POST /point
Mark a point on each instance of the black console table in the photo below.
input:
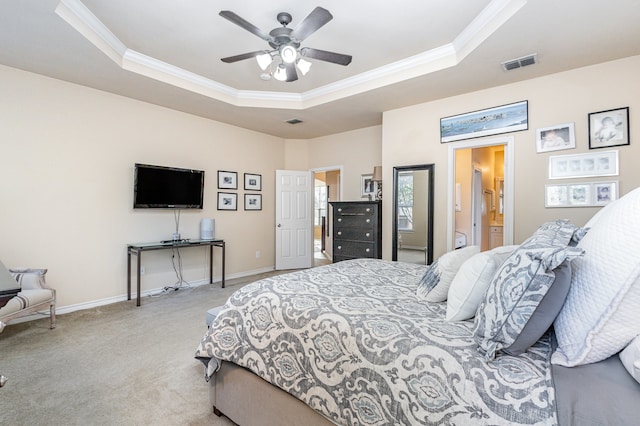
(137, 249)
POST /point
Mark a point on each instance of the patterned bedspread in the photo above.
(352, 341)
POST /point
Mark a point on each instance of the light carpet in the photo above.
(113, 365)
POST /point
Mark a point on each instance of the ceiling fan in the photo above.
(285, 43)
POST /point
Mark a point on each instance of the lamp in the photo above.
(280, 73)
(264, 60)
(377, 177)
(303, 66)
(288, 54)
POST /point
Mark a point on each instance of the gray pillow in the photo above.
(545, 313)
(519, 288)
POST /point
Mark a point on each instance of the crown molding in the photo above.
(492, 17)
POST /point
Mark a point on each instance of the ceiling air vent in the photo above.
(520, 62)
(293, 121)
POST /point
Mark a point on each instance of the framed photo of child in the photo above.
(609, 128)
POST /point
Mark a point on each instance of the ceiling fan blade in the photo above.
(323, 55)
(309, 25)
(292, 74)
(242, 57)
(241, 22)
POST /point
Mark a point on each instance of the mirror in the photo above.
(412, 235)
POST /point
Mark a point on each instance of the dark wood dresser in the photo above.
(357, 229)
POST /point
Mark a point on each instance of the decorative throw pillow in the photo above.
(602, 312)
(429, 280)
(519, 287)
(471, 282)
(630, 357)
(437, 280)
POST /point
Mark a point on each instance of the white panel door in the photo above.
(294, 219)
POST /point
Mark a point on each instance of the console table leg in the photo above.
(138, 276)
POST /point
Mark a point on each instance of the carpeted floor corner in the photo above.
(113, 365)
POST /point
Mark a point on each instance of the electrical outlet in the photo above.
(257, 254)
(142, 270)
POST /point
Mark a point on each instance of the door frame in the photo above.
(509, 177)
(340, 170)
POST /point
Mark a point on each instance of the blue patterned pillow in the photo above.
(515, 310)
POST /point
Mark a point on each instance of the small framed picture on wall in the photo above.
(227, 201)
(609, 128)
(227, 180)
(252, 182)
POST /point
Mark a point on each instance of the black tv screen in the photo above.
(167, 187)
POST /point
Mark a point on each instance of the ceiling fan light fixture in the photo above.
(303, 66)
(280, 73)
(288, 54)
(264, 60)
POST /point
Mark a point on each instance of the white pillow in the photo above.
(630, 358)
(602, 312)
(448, 265)
(470, 284)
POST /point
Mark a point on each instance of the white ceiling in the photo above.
(406, 52)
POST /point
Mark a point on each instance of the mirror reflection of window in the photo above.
(405, 201)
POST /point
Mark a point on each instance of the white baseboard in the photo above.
(61, 310)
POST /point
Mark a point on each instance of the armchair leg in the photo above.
(52, 315)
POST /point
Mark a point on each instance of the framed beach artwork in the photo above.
(491, 121)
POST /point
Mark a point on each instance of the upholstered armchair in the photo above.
(22, 292)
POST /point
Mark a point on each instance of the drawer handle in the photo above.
(339, 219)
(368, 234)
(339, 247)
(368, 220)
(368, 209)
(339, 232)
(339, 209)
(368, 250)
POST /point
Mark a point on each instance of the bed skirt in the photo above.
(249, 400)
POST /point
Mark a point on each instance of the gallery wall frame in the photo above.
(253, 201)
(252, 182)
(583, 194)
(609, 128)
(368, 187)
(227, 180)
(601, 163)
(491, 121)
(555, 138)
(227, 201)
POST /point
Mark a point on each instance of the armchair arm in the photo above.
(30, 279)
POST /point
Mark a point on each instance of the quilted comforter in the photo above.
(353, 342)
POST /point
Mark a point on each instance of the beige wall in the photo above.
(356, 151)
(66, 171)
(411, 136)
(67, 155)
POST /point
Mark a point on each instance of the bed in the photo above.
(374, 342)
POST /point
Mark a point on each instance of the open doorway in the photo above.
(480, 193)
(326, 188)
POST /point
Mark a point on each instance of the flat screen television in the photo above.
(160, 187)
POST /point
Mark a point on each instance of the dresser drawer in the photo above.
(355, 220)
(349, 209)
(354, 249)
(358, 234)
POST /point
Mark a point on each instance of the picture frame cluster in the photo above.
(228, 180)
(609, 128)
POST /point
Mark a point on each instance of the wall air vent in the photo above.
(293, 121)
(520, 62)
